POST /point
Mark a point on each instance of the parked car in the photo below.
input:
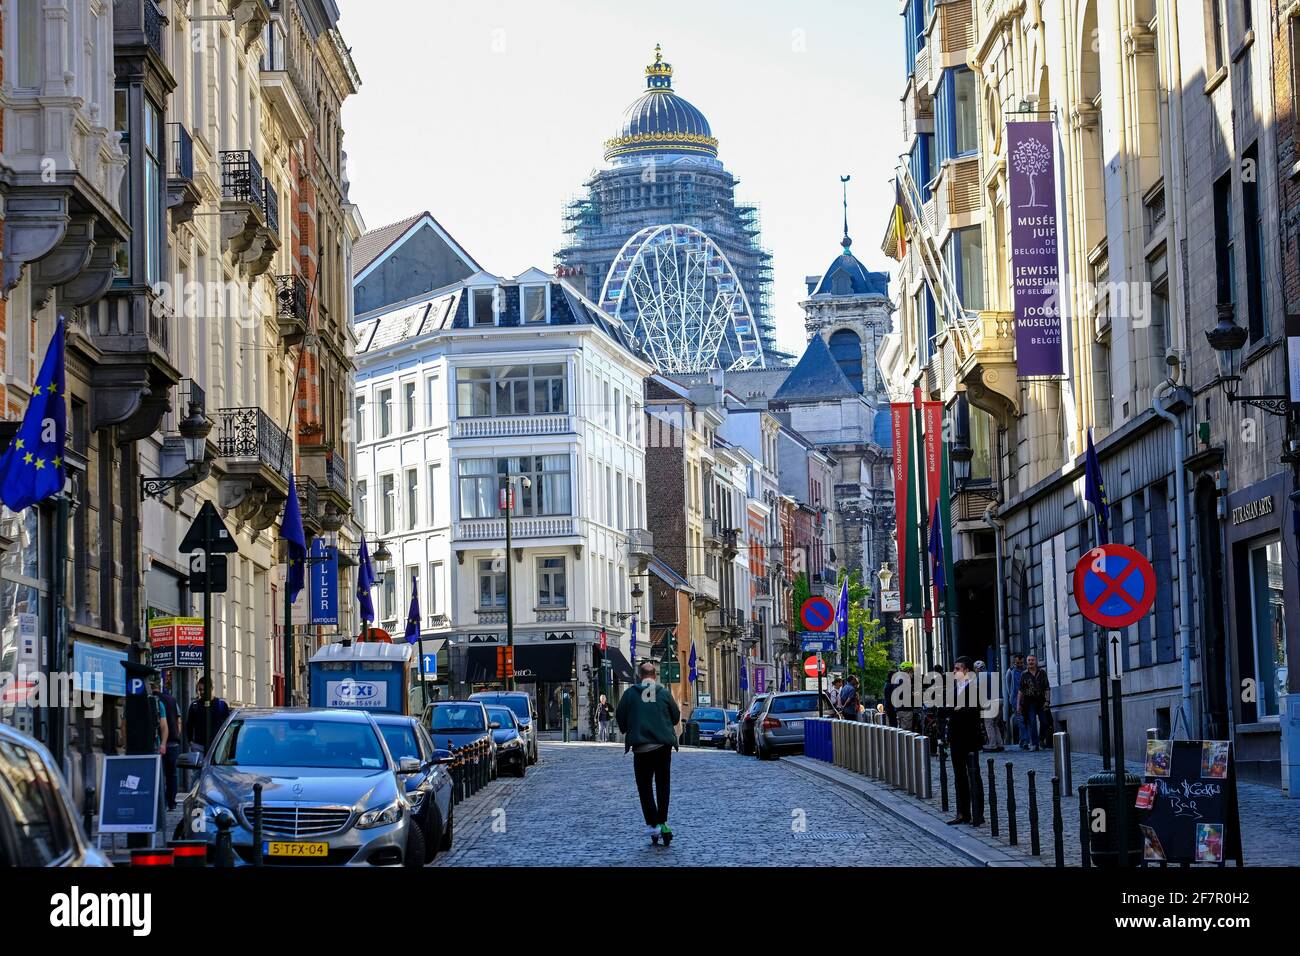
(525, 711)
(729, 733)
(38, 820)
(745, 725)
(712, 721)
(459, 723)
(332, 793)
(429, 788)
(512, 750)
(778, 726)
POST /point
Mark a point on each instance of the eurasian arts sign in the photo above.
(1035, 267)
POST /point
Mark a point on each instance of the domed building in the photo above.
(663, 168)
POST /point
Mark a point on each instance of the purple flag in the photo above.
(1035, 268)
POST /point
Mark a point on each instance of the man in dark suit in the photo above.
(964, 741)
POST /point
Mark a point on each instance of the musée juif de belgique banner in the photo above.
(1035, 268)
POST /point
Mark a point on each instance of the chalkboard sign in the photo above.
(1193, 816)
(128, 794)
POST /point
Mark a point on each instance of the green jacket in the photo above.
(647, 714)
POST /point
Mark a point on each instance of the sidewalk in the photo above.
(1270, 823)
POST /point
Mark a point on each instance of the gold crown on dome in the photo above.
(659, 67)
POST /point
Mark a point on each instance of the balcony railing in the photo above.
(492, 529)
(271, 206)
(705, 586)
(308, 496)
(730, 538)
(490, 616)
(181, 163)
(552, 615)
(640, 542)
(153, 27)
(512, 426)
(762, 587)
(241, 177)
(249, 435)
(336, 475)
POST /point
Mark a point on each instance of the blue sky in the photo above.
(492, 113)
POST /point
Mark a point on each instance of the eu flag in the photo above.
(690, 661)
(633, 651)
(1094, 490)
(936, 552)
(744, 675)
(365, 581)
(32, 467)
(413, 615)
(291, 531)
(842, 611)
(862, 659)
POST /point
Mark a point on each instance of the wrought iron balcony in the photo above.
(291, 308)
(271, 205)
(730, 540)
(182, 192)
(706, 590)
(241, 177)
(308, 500)
(640, 543)
(250, 435)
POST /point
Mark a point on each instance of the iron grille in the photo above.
(249, 433)
(299, 821)
(182, 151)
(241, 176)
(291, 297)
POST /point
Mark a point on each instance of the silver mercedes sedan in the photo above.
(331, 793)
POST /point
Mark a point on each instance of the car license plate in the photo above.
(295, 849)
(795, 723)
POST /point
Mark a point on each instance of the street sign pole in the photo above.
(820, 671)
(1116, 647)
(508, 499)
(288, 636)
(207, 651)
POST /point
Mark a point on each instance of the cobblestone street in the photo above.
(578, 807)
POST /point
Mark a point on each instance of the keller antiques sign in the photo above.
(324, 586)
(1251, 510)
(1035, 267)
(1191, 788)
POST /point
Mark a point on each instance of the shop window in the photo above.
(1268, 621)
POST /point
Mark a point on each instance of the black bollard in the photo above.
(88, 811)
(1011, 805)
(1083, 828)
(976, 791)
(257, 824)
(943, 776)
(225, 855)
(1034, 846)
(1058, 824)
(993, 799)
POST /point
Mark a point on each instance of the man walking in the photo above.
(196, 731)
(1011, 700)
(172, 743)
(648, 716)
(837, 687)
(964, 742)
(1034, 699)
(850, 702)
(905, 696)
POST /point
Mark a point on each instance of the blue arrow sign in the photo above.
(430, 666)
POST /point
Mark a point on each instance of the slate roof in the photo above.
(376, 242)
(816, 378)
(863, 282)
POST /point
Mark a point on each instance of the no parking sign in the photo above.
(1114, 585)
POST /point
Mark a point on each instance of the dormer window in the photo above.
(483, 307)
(536, 304)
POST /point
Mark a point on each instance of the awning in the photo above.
(622, 669)
(552, 663)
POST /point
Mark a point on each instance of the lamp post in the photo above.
(508, 506)
(1227, 339)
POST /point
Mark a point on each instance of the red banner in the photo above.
(901, 421)
(932, 415)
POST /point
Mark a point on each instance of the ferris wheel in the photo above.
(677, 292)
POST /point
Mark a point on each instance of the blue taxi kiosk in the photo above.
(370, 675)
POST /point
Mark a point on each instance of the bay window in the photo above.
(482, 479)
(511, 390)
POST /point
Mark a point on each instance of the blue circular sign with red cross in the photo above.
(816, 613)
(1114, 585)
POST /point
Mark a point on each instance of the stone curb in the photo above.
(897, 805)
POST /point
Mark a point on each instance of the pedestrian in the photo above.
(837, 685)
(603, 715)
(905, 696)
(172, 750)
(992, 735)
(964, 739)
(1016, 729)
(850, 702)
(1035, 691)
(887, 706)
(196, 730)
(648, 716)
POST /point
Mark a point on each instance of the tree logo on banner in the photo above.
(1032, 158)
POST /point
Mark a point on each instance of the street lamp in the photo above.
(382, 557)
(961, 456)
(508, 506)
(1227, 339)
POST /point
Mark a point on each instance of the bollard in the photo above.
(926, 783)
(1058, 836)
(148, 857)
(909, 761)
(976, 791)
(1034, 846)
(837, 743)
(943, 776)
(88, 810)
(887, 745)
(1061, 761)
(993, 799)
(225, 847)
(1083, 829)
(257, 824)
(873, 736)
(1011, 804)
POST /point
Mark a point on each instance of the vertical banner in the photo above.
(907, 512)
(324, 583)
(1293, 358)
(1035, 266)
(938, 495)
